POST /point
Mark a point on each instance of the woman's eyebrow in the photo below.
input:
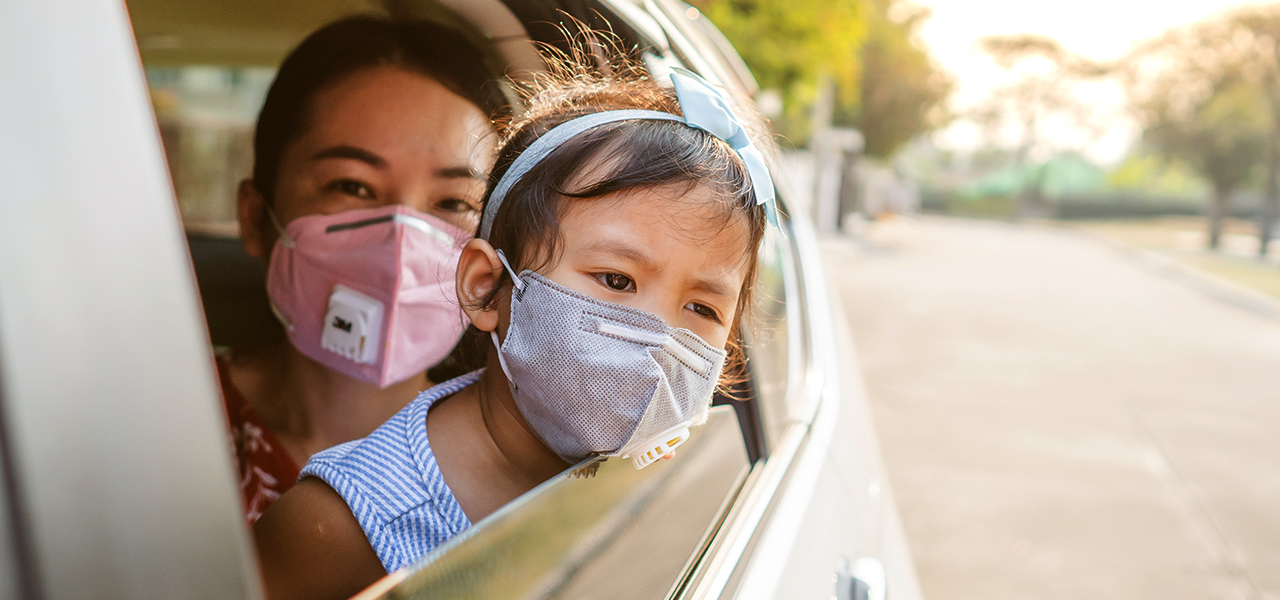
(353, 153)
(459, 172)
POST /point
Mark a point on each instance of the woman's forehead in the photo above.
(383, 104)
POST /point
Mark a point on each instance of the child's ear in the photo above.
(479, 271)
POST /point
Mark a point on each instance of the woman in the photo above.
(369, 161)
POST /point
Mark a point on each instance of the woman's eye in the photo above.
(352, 187)
(454, 205)
(703, 310)
(617, 282)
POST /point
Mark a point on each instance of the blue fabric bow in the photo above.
(707, 108)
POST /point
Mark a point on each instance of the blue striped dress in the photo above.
(393, 485)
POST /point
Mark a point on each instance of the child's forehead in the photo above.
(682, 215)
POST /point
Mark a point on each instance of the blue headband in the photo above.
(704, 108)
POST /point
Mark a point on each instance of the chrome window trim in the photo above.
(798, 335)
(768, 561)
(708, 49)
(640, 21)
(686, 50)
(818, 326)
(762, 486)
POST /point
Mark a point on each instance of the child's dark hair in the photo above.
(635, 155)
(345, 47)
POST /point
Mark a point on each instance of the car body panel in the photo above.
(117, 448)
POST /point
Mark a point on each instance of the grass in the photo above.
(1182, 239)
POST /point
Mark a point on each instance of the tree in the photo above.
(791, 44)
(1040, 95)
(1261, 26)
(1196, 93)
(902, 91)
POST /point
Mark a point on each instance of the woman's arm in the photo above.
(310, 546)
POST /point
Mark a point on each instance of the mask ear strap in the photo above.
(497, 345)
(515, 279)
(284, 235)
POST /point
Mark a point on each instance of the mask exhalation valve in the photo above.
(658, 446)
(352, 325)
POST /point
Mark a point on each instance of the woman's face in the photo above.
(387, 136)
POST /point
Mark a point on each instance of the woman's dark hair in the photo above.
(345, 47)
(636, 155)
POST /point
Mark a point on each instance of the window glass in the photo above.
(206, 116)
(620, 534)
(768, 336)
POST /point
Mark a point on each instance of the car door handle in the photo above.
(864, 580)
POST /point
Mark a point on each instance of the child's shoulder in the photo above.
(398, 439)
(391, 475)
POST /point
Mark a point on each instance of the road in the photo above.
(1061, 418)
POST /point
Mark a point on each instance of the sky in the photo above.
(1097, 29)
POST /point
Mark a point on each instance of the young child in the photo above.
(613, 263)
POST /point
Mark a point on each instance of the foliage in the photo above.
(1041, 90)
(1259, 26)
(1040, 95)
(902, 90)
(1202, 99)
(791, 44)
(1152, 174)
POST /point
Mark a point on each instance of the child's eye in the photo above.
(703, 310)
(617, 282)
(352, 187)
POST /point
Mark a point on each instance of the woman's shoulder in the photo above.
(265, 470)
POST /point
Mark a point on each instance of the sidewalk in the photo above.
(1060, 420)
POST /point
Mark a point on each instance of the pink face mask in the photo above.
(369, 293)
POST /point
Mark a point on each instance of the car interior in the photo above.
(208, 66)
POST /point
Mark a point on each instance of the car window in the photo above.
(771, 337)
(208, 66)
(623, 533)
(206, 116)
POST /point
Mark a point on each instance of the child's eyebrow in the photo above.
(714, 287)
(707, 285)
(625, 251)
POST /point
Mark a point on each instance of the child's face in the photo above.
(667, 251)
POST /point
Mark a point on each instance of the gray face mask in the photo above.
(594, 377)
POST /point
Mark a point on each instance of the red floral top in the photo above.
(265, 469)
